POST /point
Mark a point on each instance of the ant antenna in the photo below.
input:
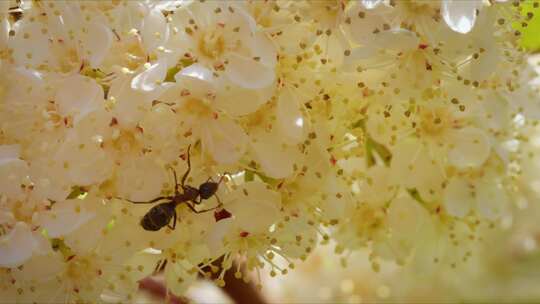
(175, 180)
(189, 166)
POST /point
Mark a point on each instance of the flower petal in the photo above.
(223, 139)
(154, 30)
(139, 178)
(248, 73)
(361, 30)
(197, 79)
(262, 47)
(195, 70)
(30, 44)
(8, 152)
(413, 167)
(458, 199)
(41, 267)
(171, 5)
(17, 246)
(12, 171)
(405, 218)
(239, 101)
(4, 33)
(470, 147)
(491, 198)
(289, 117)
(378, 188)
(85, 161)
(254, 207)
(77, 93)
(460, 15)
(396, 40)
(64, 217)
(151, 78)
(370, 4)
(96, 40)
(179, 276)
(276, 159)
(130, 104)
(215, 236)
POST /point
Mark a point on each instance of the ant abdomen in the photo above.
(158, 216)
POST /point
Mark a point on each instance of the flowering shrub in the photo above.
(405, 127)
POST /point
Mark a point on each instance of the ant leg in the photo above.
(218, 200)
(158, 266)
(200, 211)
(220, 178)
(174, 222)
(223, 175)
(148, 202)
(191, 207)
(189, 166)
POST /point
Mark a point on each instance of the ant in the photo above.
(160, 215)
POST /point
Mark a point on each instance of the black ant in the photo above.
(160, 215)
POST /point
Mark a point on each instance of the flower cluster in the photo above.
(403, 127)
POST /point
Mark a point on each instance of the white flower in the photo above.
(77, 96)
(13, 171)
(139, 178)
(426, 138)
(154, 29)
(18, 245)
(201, 115)
(254, 208)
(47, 41)
(224, 38)
(63, 218)
(274, 132)
(30, 44)
(131, 96)
(485, 195)
(459, 15)
(407, 221)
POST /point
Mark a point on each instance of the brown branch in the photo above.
(158, 290)
(240, 291)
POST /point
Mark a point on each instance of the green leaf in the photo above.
(77, 192)
(530, 34)
(416, 196)
(171, 72)
(45, 233)
(110, 225)
(372, 148)
(184, 62)
(249, 176)
(358, 124)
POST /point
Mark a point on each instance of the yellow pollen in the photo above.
(198, 107)
(212, 44)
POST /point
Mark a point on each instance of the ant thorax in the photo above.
(189, 193)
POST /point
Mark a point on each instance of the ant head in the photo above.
(207, 189)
